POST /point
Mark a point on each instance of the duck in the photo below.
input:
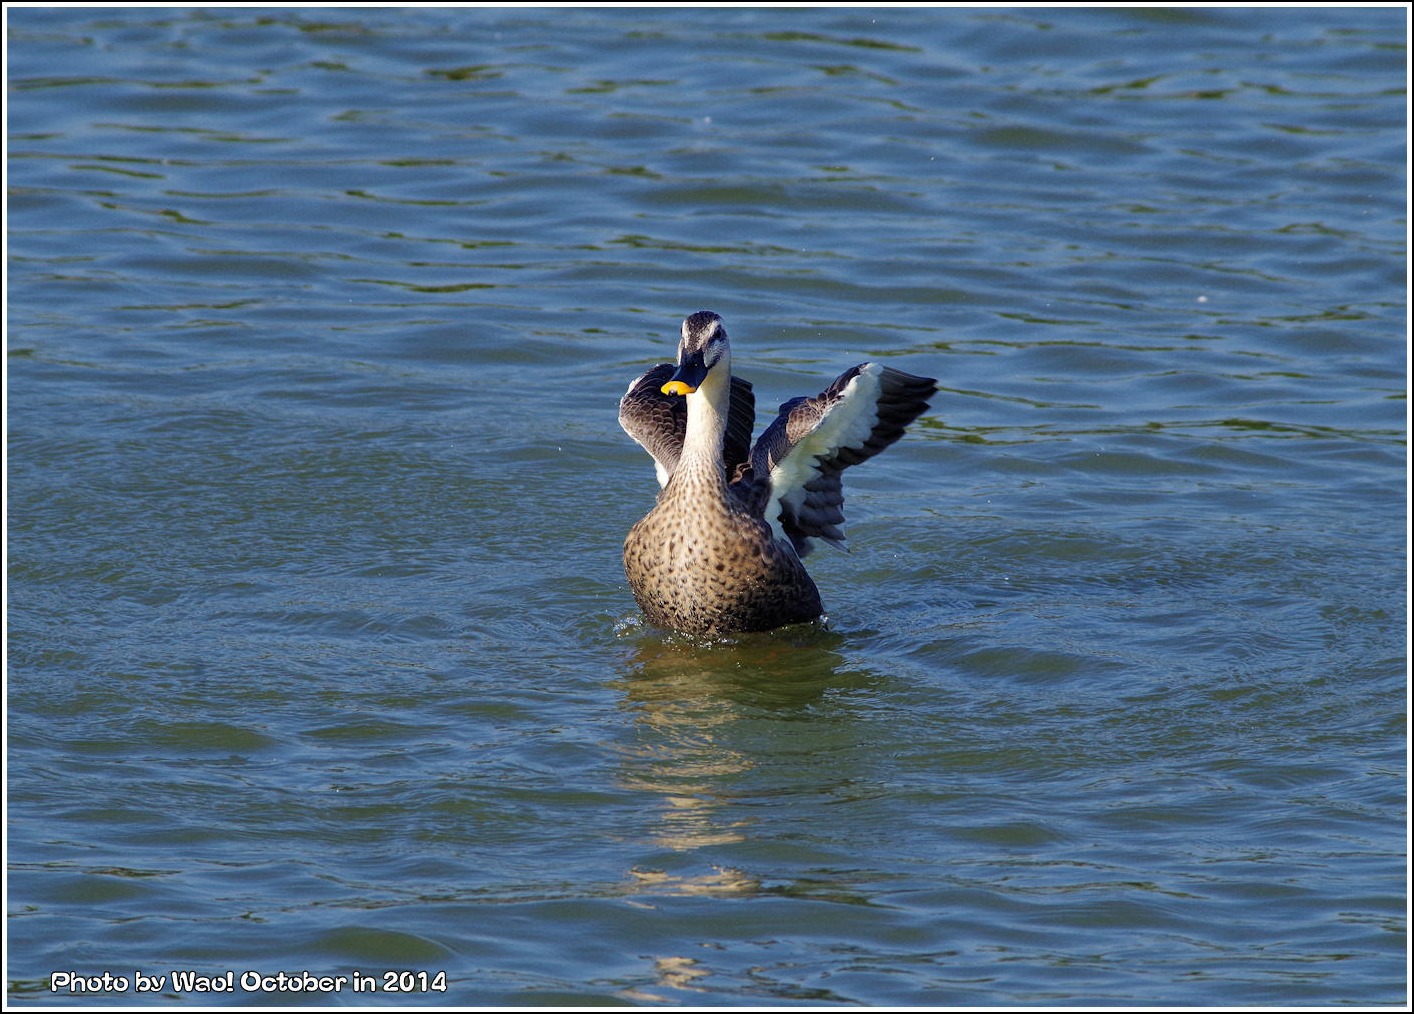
(721, 551)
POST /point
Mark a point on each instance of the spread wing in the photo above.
(801, 454)
(658, 421)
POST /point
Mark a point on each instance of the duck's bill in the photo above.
(688, 377)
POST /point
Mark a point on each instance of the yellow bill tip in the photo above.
(677, 387)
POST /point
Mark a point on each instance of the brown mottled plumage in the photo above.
(721, 551)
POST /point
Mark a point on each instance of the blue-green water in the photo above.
(321, 658)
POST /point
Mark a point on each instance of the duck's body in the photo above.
(721, 572)
(721, 552)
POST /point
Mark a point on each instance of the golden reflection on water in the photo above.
(693, 707)
(672, 973)
(685, 696)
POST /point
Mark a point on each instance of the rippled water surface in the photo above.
(321, 657)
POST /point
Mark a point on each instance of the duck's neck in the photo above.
(701, 460)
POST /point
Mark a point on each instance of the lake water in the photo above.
(321, 658)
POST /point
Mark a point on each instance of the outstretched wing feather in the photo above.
(813, 440)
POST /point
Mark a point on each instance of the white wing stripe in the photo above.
(848, 423)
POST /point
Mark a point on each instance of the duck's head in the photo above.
(703, 347)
